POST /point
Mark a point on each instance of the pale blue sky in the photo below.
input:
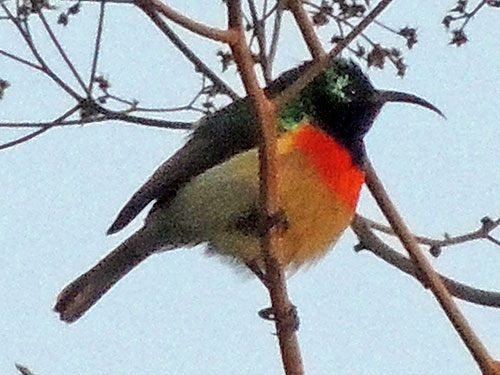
(184, 313)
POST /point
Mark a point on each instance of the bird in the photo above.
(208, 191)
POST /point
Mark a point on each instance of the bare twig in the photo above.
(482, 233)
(24, 139)
(191, 56)
(467, 16)
(259, 28)
(307, 29)
(39, 131)
(432, 280)
(61, 51)
(276, 35)
(134, 107)
(44, 67)
(282, 308)
(20, 60)
(369, 241)
(106, 115)
(133, 104)
(213, 33)
(97, 46)
(122, 116)
(341, 21)
(44, 124)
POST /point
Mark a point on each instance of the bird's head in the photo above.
(343, 102)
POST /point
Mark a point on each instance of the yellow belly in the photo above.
(317, 217)
(209, 207)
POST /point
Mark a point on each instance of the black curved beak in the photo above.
(386, 96)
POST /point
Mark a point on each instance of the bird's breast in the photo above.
(318, 188)
(318, 191)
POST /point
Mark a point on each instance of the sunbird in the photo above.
(208, 192)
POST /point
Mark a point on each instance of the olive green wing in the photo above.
(218, 137)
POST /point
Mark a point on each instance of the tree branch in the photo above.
(307, 29)
(369, 241)
(20, 60)
(276, 34)
(283, 310)
(199, 65)
(432, 280)
(43, 65)
(121, 116)
(97, 47)
(61, 51)
(260, 33)
(39, 131)
(482, 233)
(225, 36)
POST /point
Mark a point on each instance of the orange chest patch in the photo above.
(332, 162)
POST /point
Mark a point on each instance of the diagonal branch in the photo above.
(20, 60)
(40, 131)
(260, 33)
(61, 51)
(307, 29)
(225, 36)
(191, 56)
(432, 280)
(369, 241)
(45, 124)
(482, 233)
(276, 34)
(97, 46)
(123, 116)
(43, 65)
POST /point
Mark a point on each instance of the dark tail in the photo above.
(86, 290)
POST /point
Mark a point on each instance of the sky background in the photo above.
(184, 313)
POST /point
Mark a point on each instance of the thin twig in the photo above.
(369, 241)
(494, 240)
(478, 234)
(339, 21)
(97, 46)
(134, 107)
(213, 33)
(432, 280)
(307, 29)
(276, 35)
(121, 116)
(81, 121)
(221, 86)
(44, 67)
(469, 15)
(106, 116)
(61, 51)
(21, 60)
(39, 131)
(24, 138)
(259, 28)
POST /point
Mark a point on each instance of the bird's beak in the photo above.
(386, 96)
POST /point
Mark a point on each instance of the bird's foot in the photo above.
(289, 321)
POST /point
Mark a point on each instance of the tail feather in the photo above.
(86, 290)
